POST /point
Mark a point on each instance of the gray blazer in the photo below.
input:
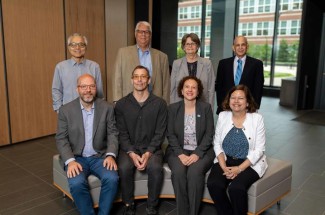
(70, 136)
(205, 73)
(204, 128)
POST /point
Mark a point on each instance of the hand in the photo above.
(74, 169)
(109, 163)
(144, 160)
(135, 158)
(231, 172)
(192, 159)
(184, 159)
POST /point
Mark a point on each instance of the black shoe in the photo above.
(129, 209)
(151, 211)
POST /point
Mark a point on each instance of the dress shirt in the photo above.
(145, 60)
(65, 80)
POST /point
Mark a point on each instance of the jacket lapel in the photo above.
(183, 67)
(198, 120)
(97, 115)
(155, 67)
(199, 67)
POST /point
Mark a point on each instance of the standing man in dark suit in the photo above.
(141, 118)
(87, 140)
(240, 69)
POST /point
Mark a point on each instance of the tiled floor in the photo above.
(26, 171)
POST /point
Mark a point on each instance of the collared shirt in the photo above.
(145, 60)
(88, 120)
(243, 59)
(64, 83)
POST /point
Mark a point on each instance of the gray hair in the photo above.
(77, 35)
(143, 23)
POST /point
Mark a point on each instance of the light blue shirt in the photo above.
(243, 60)
(88, 120)
(145, 60)
(64, 83)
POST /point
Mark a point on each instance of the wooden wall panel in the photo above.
(119, 21)
(4, 123)
(88, 18)
(34, 43)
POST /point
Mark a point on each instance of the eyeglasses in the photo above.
(74, 45)
(190, 44)
(85, 87)
(143, 32)
(142, 77)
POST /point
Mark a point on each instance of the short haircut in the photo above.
(141, 67)
(242, 37)
(143, 23)
(77, 35)
(85, 75)
(252, 106)
(194, 38)
(182, 82)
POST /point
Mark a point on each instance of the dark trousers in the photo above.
(154, 170)
(188, 182)
(237, 203)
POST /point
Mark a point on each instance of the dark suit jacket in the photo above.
(252, 77)
(70, 136)
(204, 127)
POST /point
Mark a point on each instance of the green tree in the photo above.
(180, 51)
(283, 53)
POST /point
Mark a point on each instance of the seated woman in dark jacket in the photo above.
(189, 153)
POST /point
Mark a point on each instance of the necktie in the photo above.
(238, 72)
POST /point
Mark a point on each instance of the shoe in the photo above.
(129, 209)
(151, 211)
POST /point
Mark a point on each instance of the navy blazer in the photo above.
(204, 127)
(252, 77)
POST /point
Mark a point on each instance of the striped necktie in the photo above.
(239, 71)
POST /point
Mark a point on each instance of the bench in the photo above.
(264, 193)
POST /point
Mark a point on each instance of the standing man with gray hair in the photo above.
(67, 72)
(141, 54)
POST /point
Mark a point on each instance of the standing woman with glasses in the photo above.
(193, 65)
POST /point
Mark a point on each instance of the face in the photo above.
(143, 36)
(87, 89)
(238, 101)
(77, 47)
(140, 80)
(190, 47)
(190, 90)
(240, 47)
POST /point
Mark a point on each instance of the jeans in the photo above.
(79, 186)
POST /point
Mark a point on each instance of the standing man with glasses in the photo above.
(141, 118)
(141, 54)
(67, 72)
(87, 140)
(240, 69)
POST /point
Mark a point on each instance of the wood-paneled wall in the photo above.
(88, 18)
(34, 41)
(4, 126)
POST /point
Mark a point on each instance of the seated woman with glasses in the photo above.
(189, 153)
(239, 145)
(193, 65)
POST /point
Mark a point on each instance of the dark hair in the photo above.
(194, 38)
(141, 67)
(182, 82)
(251, 104)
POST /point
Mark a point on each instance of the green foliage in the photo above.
(262, 52)
(283, 53)
(180, 51)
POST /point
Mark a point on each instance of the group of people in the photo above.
(112, 141)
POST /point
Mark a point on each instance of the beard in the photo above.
(88, 98)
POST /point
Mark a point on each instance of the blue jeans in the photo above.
(79, 186)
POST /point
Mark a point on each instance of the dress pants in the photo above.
(79, 186)
(237, 188)
(155, 177)
(188, 181)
